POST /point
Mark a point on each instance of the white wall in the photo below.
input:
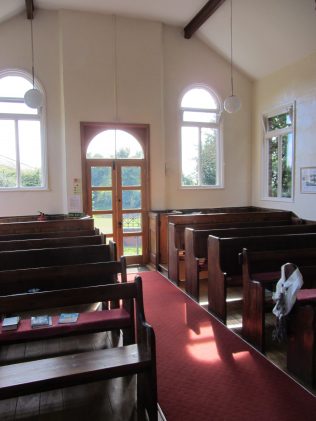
(75, 62)
(293, 83)
(15, 52)
(187, 62)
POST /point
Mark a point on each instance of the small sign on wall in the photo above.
(308, 180)
(75, 200)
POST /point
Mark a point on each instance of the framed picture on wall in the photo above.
(308, 180)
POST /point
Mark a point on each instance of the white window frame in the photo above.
(265, 152)
(199, 125)
(40, 116)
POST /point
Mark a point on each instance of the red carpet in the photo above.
(206, 372)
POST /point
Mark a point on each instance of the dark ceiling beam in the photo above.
(29, 9)
(207, 10)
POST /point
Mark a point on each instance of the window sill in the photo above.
(201, 187)
(19, 189)
(278, 199)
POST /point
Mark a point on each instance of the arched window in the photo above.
(22, 143)
(114, 144)
(200, 139)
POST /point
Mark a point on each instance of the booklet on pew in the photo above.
(68, 317)
(41, 321)
(10, 323)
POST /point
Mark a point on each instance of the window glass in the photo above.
(199, 98)
(14, 86)
(279, 154)
(114, 144)
(22, 144)
(200, 145)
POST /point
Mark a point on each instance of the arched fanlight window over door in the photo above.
(116, 173)
(201, 148)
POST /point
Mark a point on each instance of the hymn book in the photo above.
(41, 321)
(68, 317)
(10, 323)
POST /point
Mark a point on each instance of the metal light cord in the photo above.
(231, 46)
(32, 46)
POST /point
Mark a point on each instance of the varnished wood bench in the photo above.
(46, 226)
(57, 234)
(19, 281)
(20, 259)
(39, 243)
(196, 247)
(224, 266)
(24, 289)
(62, 371)
(178, 223)
(260, 272)
(301, 333)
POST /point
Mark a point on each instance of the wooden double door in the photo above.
(116, 189)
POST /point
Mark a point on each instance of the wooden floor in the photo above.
(111, 400)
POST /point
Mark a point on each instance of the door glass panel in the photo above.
(104, 223)
(101, 200)
(132, 222)
(131, 199)
(101, 176)
(131, 176)
(108, 239)
(132, 246)
(114, 144)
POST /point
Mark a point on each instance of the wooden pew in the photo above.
(260, 272)
(178, 223)
(46, 226)
(196, 247)
(158, 227)
(20, 281)
(301, 333)
(224, 268)
(39, 243)
(20, 259)
(32, 235)
(63, 371)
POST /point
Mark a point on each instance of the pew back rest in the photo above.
(57, 234)
(46, 226)
(61, 277)
(39, 243)
(255, 262)
(66, 297)
(226, 250)
(57, 256)
(178, 223)
(196, 238)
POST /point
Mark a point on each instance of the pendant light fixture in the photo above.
(33, 98)
(232, 104)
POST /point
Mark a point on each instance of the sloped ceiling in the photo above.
(267, 34)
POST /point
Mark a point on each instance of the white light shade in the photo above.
(33, 98)
(232, 104)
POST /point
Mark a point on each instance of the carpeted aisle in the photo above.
(206, 372)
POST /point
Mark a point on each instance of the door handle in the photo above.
(120, 224)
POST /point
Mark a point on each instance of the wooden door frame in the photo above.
(88, 130)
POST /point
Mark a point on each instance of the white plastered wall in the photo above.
(75, 62)
(190, 62)
(15, 52)
(294, 83)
